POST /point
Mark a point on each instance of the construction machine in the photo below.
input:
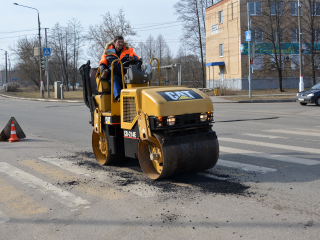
(168, 128)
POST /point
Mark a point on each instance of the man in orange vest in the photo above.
(124, 54)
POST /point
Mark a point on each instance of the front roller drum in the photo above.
(180, 154)
(100, 150)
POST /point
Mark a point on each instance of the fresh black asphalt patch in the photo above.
(130, 174)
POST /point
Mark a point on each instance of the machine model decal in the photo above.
(180, 95)
(129, 134)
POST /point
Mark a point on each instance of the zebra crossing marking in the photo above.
(298, 132)
(261, 136)
(245, 167)
(59, 194)
(18, 201)
(65, 176)
(272, 145)
(3, 218)
(282, 158)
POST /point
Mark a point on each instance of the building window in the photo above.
(316, 62)
(275, 35)
(257, 35)
(221, 50)
(255, 8)
(294, 9)
(315, 9)
(220, 17)
(317, 35)
(276, 8)
(273, 61)
(294, 35)
(258, 63)
(295, 61)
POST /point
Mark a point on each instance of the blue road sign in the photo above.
(14, 79)
(248, 36)
(46, 52)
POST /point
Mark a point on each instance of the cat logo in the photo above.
(180, 95)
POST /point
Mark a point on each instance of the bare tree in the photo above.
(190, 68)
(75, 28)
(191, 13)
(150, 48)
(60, 39)
(100, 34)
(27, 63)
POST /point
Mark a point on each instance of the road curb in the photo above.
(81, 101)
(42, 99)
(254, 101)
(268, 101)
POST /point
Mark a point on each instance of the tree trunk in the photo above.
(200, 45)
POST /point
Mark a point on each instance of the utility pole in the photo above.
(74, 58)
(249, 52)
(47, 65)
(301, 83)
(6, 73)
(40, 52)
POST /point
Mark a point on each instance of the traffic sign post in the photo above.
(248, 36)
(248, 39)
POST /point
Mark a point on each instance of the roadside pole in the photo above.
(6, 73)
(301, 83)
(47, 65)
(249, 51)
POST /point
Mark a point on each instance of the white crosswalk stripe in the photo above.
(3, 218)
(261, 136)
(272, 145)
(244, 166)
(282, 158)
(59, 194)
(306, 132)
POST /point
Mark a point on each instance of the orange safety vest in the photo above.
(124, 52)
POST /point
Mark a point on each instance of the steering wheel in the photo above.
(134, 61)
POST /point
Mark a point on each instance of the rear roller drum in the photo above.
(100, 150)
(174, 155)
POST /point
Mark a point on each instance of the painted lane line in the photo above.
(245, 167)
(269, 156)
(3, 218)
(297, 132)
(272, 145)
(59, 194)
(261, 136)
(138, 188)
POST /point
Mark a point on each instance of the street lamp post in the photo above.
(6, 72)
(41, 81)
(301, 83)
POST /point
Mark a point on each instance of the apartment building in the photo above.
(272, 22)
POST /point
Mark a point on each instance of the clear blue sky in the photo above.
(148, 17)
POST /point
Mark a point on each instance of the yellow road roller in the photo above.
(168, 128)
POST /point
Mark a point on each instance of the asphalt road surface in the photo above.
(265, 185)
